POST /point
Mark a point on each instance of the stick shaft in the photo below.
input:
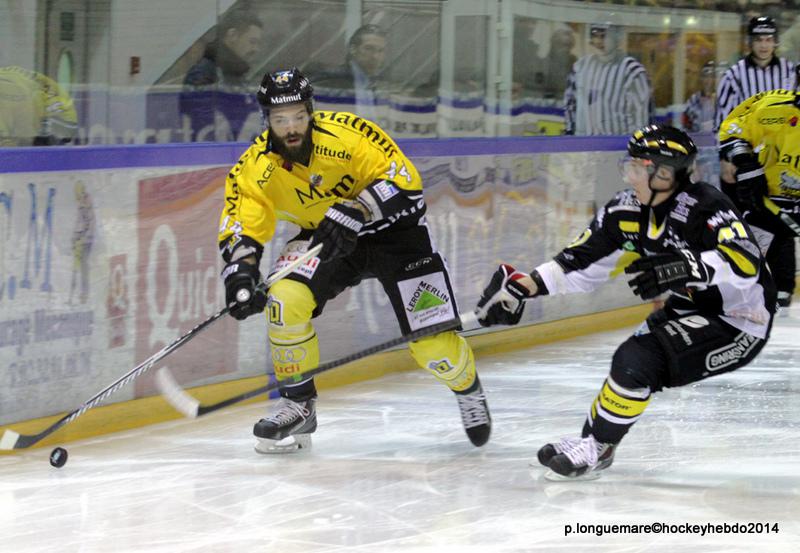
(13, 440)
(179, 398)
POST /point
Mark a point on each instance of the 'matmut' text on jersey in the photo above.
(349, 154)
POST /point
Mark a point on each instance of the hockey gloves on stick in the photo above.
(503, 301)
(338, 231)
(666, 271)
(242, 296)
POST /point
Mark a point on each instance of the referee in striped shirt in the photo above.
(607, 92)
(759, 71)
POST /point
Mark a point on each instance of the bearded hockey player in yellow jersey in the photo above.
(347, 185)
(761, 138)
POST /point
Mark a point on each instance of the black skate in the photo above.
(288, 428)
(475, 413)
(548, 451)
(576, 459)
(784, 299)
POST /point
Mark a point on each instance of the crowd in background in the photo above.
(598, 78)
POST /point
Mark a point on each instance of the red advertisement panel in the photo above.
(178, 276)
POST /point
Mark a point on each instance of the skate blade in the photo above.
(290, 444)
(536, 463)
(553, 476)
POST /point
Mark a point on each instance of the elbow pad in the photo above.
(384, 199)
(237, 247)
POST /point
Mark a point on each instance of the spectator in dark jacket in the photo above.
(360, 74)
(225, 61)
(217, 98)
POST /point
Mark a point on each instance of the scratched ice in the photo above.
(391, 469)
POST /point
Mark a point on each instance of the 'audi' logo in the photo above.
(288, 355)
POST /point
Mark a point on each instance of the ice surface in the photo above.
(392, 471)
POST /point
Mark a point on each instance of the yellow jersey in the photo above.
(349, 153)
(33, 105)
(770, 123)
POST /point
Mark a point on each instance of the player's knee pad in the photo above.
(293, 341)
(448, 357)
(635, 365)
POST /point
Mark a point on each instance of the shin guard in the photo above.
(448, 357)
(293, 340)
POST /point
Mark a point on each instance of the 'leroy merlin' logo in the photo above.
(426, 296)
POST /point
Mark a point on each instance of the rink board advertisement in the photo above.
(99, 269)
(179, 263)
(57, 236)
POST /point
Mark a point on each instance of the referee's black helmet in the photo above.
(762, 26)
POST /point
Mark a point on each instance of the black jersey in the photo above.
(698, 217)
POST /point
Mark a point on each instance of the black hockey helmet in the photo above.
(664, 145)
(762, 26)
(283, 88)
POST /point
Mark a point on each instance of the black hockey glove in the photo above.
(751, 185)
(666, 271)
(338, 231)
(241, 293)
(503, 301)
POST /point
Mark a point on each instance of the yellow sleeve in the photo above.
(377, 157)
(55, 102)
(742, 123)
(248, 216)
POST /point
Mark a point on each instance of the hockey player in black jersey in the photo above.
(674, 236)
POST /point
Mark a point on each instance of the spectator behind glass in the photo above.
(217, 96)
(360, 74)
(607, 92)
(558, 62)
(225, 60)
(34, 110)
(541, 72)
(699, 113)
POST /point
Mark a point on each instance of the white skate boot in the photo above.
(576, 458)
(288, 428)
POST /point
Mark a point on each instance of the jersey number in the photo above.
(393, 172)
(735, 230)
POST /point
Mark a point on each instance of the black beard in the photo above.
(294, 154)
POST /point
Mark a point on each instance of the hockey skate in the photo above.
(576, 458)
(288, 428)
(548, 451)
(475, 413)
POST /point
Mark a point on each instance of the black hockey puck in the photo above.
(58, 457)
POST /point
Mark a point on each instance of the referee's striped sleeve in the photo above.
(638, 110)
(744, 79)
(569, 104)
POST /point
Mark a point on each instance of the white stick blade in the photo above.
(469, 320)
(9, 439)
(175, 395)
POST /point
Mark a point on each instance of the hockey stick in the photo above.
(785, 217)
(191, 407)
(14, 440)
